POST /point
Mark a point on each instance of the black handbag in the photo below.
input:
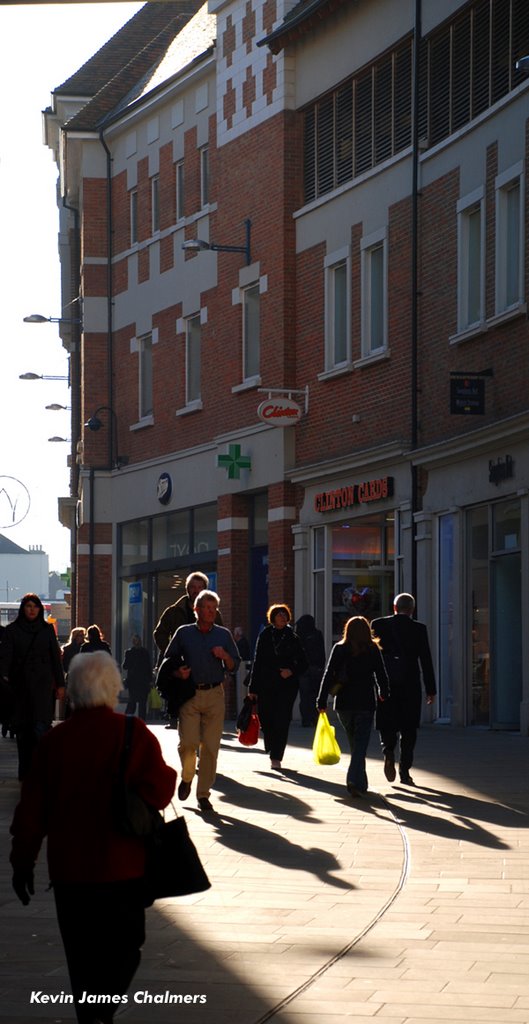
(245, 714)
(172, 864)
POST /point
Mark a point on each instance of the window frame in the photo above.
(333, 262)
(145, 377)
(466, 207)
(191, 323)
(505, 183)
(249, 374)
(369, 245)
(155, 204)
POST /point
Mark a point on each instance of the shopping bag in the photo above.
(249, 736)
(243, 718)
(173, 866)
(325, 747)
(155, 699)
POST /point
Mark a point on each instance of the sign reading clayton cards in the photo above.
(354, 494)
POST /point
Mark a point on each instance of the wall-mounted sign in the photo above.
(164, 488)
(280, 411)
(234, 461)
(467, 392)
(354, 494)
(501, 470)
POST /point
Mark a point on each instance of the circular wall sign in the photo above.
(279, 411)
(164, 488)
(14, 501)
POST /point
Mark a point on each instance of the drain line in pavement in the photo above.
(405, 869)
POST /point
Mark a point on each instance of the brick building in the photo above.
(354, 174)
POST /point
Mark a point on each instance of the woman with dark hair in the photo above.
(356, 676)
(31, 663)
(279, 660)
(94, 642)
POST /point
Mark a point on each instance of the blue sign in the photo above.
(135, 593)
(164, 488)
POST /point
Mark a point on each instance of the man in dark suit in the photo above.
(407, 656)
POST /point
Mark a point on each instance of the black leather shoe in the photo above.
(389, 768)
(205, 806)
(406, 779)
(184, 790)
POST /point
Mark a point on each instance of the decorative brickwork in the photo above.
(228, 41)
(269, 15)
(229, 103)
(269, 78)
(248, 92)
(248, 27)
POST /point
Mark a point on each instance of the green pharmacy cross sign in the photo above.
(234, 461)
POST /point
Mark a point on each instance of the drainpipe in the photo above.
(110, 366)
(415, 289)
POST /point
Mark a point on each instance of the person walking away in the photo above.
(96, 872)
(206, 651)
(181, 613)
(94, 641)
(309, 681)
(278, 662)
(407, 656)
(356, 676)
(137, 665)
(30, 659)
(69, 650)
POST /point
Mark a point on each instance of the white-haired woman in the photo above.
(96, 872)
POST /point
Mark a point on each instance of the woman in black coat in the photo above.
(279, 660)
(137, 664)
(356, 676)
(31, 662)
(94, 642)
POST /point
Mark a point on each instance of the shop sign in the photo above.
(279, 411)
(164, 488)
(354, 494)
(467, 396)
(501, 470)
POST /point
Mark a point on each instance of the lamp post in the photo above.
(199, 245)
(38, 318)
(41, 376)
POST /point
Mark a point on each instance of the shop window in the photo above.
(447, 604)
(338, 309)
(478, 545)
(251, 331)
(509, 241)
(170, 536)
(318, 565)
(134, 546)
(205, 529)
(506, 526)
(374, 294)
(471, 261)
(362, 570)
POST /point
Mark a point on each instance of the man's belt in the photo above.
(207, 686)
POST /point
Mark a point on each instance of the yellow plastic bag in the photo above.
(325, 747)
(154, 699)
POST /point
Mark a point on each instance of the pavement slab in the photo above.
(411, 905)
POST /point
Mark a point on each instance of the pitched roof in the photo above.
(8, 547)
(304, 16)
(125, 61)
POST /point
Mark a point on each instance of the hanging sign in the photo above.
(280, 411)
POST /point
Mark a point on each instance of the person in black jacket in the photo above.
(407, 655)
(137, 665)
(309, 681)
(278, 662)
(31, 663)
(94, 642)
(355, 674)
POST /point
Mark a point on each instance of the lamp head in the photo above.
(36, 318)
(523, 65)
(195, 245)
(94, 423)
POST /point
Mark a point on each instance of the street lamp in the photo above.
(38, 318)
(54, 439)
(199, 245)
(40, 376)
(55, 406)
(94, 424)
(522, 64)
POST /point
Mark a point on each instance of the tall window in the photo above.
(338, 309)
(193, 340)
(145, 380)
(133, 217)
(180, 190)
(155, 204)
(374, 295)
(251, 335)
(204, 176)
(468, 63)
(471, 261)
(363, 122)
(509, 242)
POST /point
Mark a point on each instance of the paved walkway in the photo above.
(411, 907)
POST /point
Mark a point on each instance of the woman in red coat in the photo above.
(96, 872)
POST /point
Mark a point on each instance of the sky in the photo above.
(41, 45)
